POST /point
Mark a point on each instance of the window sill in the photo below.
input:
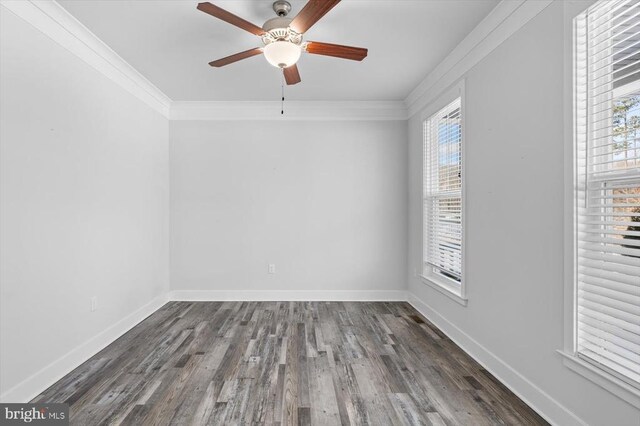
(603, 379)
(444, 288)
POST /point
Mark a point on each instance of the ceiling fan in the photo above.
(282, 37)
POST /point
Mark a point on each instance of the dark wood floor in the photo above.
(321, 363)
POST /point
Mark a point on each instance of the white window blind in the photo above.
(443, 194)
(607, 119)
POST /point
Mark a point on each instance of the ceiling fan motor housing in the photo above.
(276, 24)
(281, 7)
(277, 29)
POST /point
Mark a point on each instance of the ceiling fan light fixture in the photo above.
(282, 54)
(282, 37)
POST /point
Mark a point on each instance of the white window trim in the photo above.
(600, 377)
(440, 284)
(445, 288)
(568, 353)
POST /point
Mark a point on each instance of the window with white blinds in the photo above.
(607, 120)
(442, 185)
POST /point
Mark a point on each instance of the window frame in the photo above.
(569, 355)
(438, 283)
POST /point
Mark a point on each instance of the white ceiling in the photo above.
(171, 43)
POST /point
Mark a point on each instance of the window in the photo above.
(442, 185)
(607, 189)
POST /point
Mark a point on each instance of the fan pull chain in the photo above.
(282, 104)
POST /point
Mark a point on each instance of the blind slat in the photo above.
(604, 318)
(613, 329)
(615, 277)
(613, 312)
(621, 294)
(608, 350)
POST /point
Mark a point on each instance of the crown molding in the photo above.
(63, 28)
(54, 21)
(293, 110)
(500, 24)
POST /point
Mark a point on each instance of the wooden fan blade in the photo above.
(229, 17)
(337, 50)
(311, 13)
(235, 58)
(291, 75)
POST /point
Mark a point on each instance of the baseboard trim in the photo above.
(38, 382)
(532, 395)
(288, 295)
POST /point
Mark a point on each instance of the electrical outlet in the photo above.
(272, 268)
(94, 303)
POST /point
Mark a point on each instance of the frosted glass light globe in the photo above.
(282, 54)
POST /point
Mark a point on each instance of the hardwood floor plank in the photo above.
(324, 405)
(406, 409)
(206, 406)
(303, 371)
(286, 363)
(290, 391)
(341, 395)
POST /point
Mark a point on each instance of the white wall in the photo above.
(84, 203)
(514, 260)
(323, 201)
(84, 210)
